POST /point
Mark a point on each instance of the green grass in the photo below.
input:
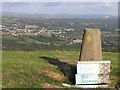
(36, 69)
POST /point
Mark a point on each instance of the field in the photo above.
(46, 69)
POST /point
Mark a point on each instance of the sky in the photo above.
(82, 8)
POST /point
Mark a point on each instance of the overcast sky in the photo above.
(106, 8)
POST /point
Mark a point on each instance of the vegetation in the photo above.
(39, 42)
(32, 43)
(38, 69)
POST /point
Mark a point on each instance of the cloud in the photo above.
(52, 3)
(12, 4)
(108, 4)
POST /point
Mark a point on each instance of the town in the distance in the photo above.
(55, 33)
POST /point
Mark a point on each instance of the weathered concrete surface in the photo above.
(91, 47)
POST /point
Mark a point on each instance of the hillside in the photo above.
(41, 42)
(48, 69)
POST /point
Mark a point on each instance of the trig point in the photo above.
(92, 71)
(91, 46)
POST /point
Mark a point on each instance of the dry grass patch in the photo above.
(55, 76)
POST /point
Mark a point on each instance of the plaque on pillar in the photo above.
(93, 67)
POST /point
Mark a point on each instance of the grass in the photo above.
(44, 69)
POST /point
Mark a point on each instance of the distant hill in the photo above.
(90, 16)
